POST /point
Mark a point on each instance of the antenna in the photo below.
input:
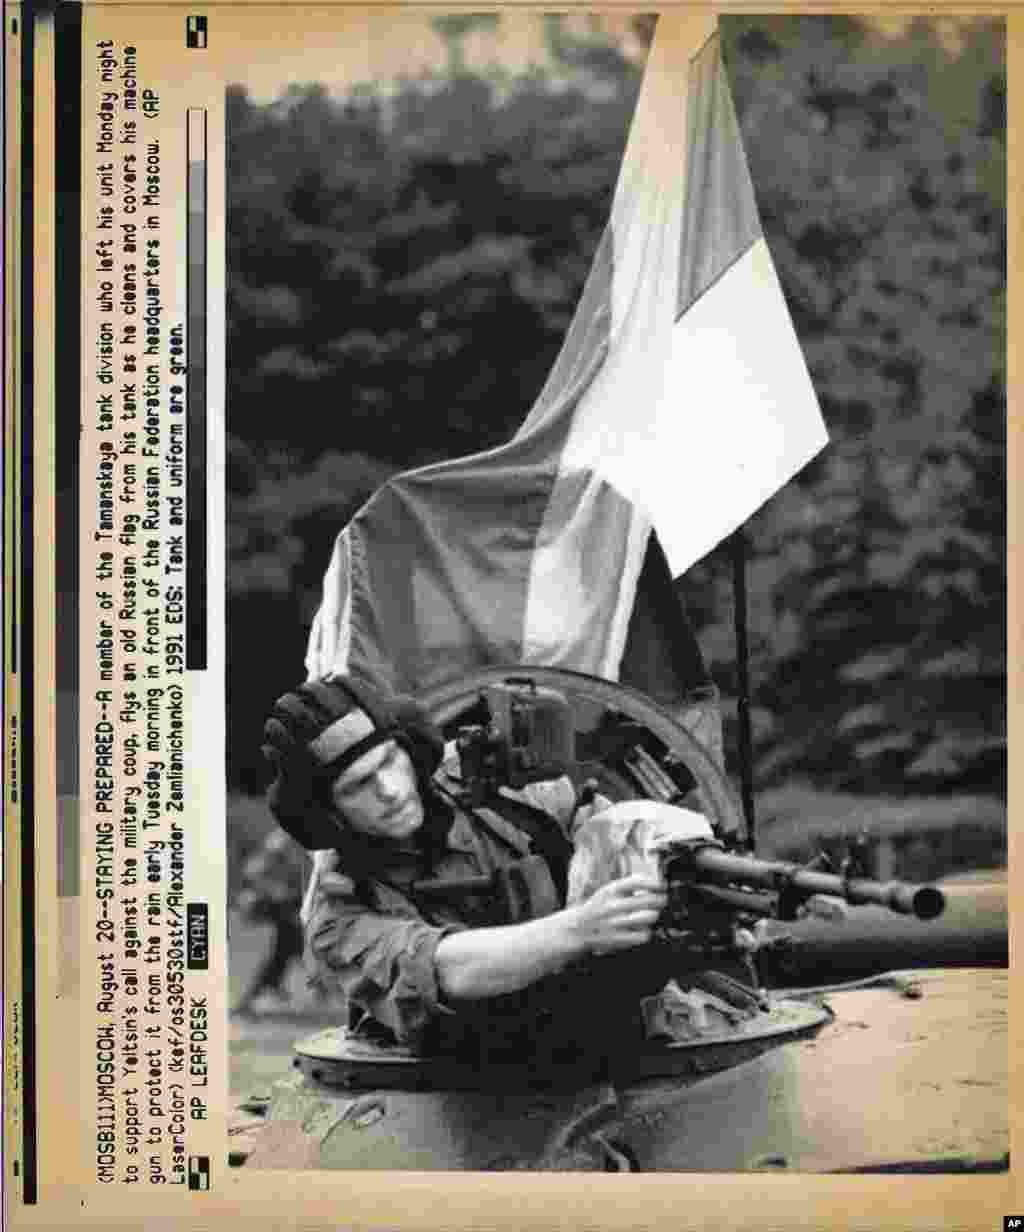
(738, 548)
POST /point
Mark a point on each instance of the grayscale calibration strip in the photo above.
(195, 387)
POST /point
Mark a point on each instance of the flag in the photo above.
(678, 404)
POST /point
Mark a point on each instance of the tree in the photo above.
(890, 551)
(403, 265)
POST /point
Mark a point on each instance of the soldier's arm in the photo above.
(485, 962)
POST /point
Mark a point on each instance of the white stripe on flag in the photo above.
(729, 418)
(331, 635)
(697, 421)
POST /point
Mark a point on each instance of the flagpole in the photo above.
(738, 545)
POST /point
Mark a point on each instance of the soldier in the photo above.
(272, 893)
(445, 928)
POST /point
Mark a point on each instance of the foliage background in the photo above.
(403, 261)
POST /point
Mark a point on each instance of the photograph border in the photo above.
(393, 1200)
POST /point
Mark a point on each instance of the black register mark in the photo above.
(199, 1172)
(195, 32)
(22, 617)
(196, 393)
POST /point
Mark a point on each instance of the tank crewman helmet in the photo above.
(317, 730)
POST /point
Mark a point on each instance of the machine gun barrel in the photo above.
(710, 864)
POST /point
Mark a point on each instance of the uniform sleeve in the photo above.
(384, 964)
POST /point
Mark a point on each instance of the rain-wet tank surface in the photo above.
(907, 1072)
(912, 1075)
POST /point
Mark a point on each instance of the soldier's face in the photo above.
(379, 795)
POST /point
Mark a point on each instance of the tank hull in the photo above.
(348, 1105)
(911, 1076)
(904, 1073)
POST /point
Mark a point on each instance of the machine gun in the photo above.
(774, 889)
(718, 900)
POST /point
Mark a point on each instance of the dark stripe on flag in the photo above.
(720, 220)
(662, 657)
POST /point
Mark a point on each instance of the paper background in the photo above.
(311, 1200)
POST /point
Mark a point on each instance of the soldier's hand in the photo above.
(621, 914)
(332, 882)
